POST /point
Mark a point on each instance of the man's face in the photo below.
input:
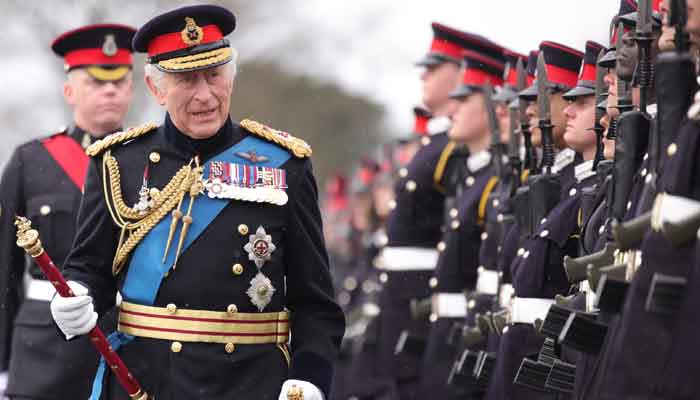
(627, 57)
(532, 113)
(470, 123)
(693, 25)
(580, 118)
(198, 101)
(438, 81)
(667, 32)
(503, 121)
(98, 106)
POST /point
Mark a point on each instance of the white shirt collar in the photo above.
(563, 159)
(584, 170)
(439, 125)
(477, 161)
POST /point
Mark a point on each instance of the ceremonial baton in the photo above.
(28, 239)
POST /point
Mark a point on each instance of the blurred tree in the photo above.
(339, 126)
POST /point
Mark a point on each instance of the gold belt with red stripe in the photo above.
(171, 323)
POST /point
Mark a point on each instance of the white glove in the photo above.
(308, 389)
(74, 315)
(3, 382)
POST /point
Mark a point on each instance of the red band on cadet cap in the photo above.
(473, 76)
(561, 76)
(421, 126)
(447, 48)
(588, 73)
(96, 57)
(173, 41)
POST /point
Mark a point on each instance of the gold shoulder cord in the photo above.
(298, 147)
(135, 224)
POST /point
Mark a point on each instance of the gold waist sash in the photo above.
(203, 325)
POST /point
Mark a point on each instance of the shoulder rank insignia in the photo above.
(119, 137)
(297, 146)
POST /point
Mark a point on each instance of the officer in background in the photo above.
(211, 232)
(43, 180)
(413, 226)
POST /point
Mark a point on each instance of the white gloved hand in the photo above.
(74, 315)
(308, 389)
(3, 382)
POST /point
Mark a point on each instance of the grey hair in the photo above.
(157, 75)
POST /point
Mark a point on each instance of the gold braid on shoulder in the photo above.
(119, 137)
(136, 224)
(297, 146)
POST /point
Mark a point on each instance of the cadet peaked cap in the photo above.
(586, 79)
(448, 44)
(563, 65)
(631, 18)
(103, 49)
(187, 39)
(479, 69)
(508, 92)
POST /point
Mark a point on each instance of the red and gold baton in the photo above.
(28, 239)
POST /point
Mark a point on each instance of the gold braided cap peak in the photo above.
(297, 146)
(119, 137)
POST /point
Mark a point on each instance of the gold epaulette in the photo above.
(119, 137)
(297, 146)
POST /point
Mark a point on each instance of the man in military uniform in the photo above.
(43, 180)
(413, 227)
(537, 273)
(211, 232)
(456, 266)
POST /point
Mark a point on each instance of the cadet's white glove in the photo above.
(308, 389)
(3, 382)
(74, 315)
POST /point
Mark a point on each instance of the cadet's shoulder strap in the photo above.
(483, 201)
(442, 164)
(298, 147)
(119, 137)
(69, 155)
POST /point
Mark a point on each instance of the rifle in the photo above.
(28, 239)
(545, 188)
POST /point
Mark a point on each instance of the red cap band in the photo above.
(173, 41)
(588, 73)
(473, 76)
(80, 57)
(561, 76)
(447, 48)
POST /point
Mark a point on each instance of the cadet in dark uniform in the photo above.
(211, 232)
(456, 265)
(43, 180)
(413, 226)
(537, 271)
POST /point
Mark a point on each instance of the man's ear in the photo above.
(69, 93)
(158, 94)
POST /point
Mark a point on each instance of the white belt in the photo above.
(505, 297)
(407, 259)
(487, 281)
(526, 310)
(449, 305)
(38, 289)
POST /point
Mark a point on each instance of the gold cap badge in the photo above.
(109, 47)
(192, 34)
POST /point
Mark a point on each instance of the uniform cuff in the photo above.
(307, 366)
